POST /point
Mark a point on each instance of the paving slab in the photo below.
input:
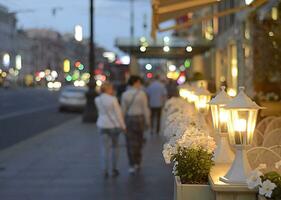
(64, 163)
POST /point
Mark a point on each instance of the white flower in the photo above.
(183, 129)
(254, 179)
(266, 188)
(262, 166)
(168, 152)
(278, 164)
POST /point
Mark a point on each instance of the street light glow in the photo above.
(142, 48)
(99, 83)
(142, 39)
(54, 74)
(248, 2)
(4, 74)
(166, 48)
(78, 33)
(42, 74)
(231, 92)
(166, 39)
(172, 68)
(182, 68)
(148, 66)
(6, 60)
(18, 62)
(66, 65)
(125, 60)
(110, 56)
(181, 80)
(188, 49)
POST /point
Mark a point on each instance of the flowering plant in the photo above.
(268, 184)
(191, 152)
(189, 147)
(192, 165)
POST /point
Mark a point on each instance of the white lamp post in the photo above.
(202, 100)
(223, 152)
(242, 115)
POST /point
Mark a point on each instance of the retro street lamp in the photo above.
(223, 152)
(184, 91)
(242, 115)
(192, 97)
(203, 97)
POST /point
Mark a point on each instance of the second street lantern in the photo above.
(223, 153)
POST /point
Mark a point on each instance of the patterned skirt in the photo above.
(134, 138)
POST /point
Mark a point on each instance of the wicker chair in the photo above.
(272, 138)
(276, 149)
(262, 125)
(262, 155)
(274, 124)
(257, 138)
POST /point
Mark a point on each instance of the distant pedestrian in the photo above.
(172, 89)
(121, 89)
(157, 94)
(110, 123)
(135, 108)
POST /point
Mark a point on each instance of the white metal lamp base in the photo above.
(223, 152)
(240, 169)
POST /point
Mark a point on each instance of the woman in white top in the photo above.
(135, 108)
(110, 123)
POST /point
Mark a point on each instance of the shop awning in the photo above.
(164, 10)
(177, 48)
(171, 9)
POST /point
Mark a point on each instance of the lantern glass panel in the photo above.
(184, 93)
(192, 97)
(215, 116)
(241, 125)
(202, 103)
(220, 118)
(223, 118)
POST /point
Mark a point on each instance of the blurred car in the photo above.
(72, 98)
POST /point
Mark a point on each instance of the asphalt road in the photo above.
(27, 112)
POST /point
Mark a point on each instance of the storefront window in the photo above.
(274, 13)
(208, 30)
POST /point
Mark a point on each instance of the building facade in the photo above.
(237, 57)
(235, 53)
(26, 53)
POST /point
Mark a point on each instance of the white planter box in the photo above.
(192, 191)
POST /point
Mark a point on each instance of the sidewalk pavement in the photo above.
(63, 163)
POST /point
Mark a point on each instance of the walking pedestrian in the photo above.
(172, 89)
(110, 124)
(135, 108)
(157, 94)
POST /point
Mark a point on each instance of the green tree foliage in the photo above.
(266, 37)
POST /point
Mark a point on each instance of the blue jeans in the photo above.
(109, 147)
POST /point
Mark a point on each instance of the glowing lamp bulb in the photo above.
(240, 125)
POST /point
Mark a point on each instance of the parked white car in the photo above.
(72, 98)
